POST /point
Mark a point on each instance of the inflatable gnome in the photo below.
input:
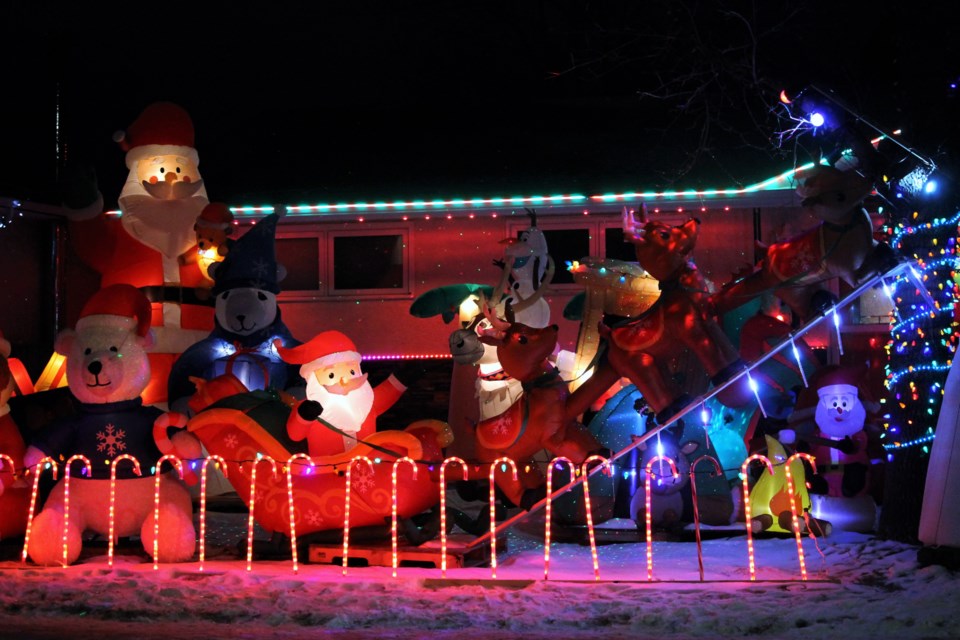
(341, 406)
(107, 370)
(14, 493)
(247, 323)
(160, 202)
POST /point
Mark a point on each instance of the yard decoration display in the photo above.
(248, 323)
(841, 246)
(636, 348)
(160, 203)
(537, 420)
(14, 492)
(213, 228)
(108, 369)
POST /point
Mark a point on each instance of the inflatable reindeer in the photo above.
(638, 348)
(841, 246)
(536, 420)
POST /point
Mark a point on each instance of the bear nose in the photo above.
(241, 317)
(95, 367)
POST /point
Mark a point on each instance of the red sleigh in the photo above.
(244, 427)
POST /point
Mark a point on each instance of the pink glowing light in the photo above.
(66, 499)
(178, 467)
(586, 502)
(37, 471)
(346, 507)
(393, 507)
(113, 500)
(293, 524)
(746, 506)
(794, 518)
(253, 498)
(648, 505)
(555, 463)
(443, 508)
(493, 509)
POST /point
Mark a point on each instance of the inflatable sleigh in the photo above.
(243, 427)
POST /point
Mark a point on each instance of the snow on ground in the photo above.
(860, 587)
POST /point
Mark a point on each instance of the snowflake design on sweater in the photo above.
(361, 481)
(502, 425)
(111, 440)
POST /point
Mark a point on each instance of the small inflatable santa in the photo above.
(160, 202)
(338, 393)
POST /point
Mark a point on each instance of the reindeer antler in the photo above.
(631, 232)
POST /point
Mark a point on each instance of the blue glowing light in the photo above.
(930, 187)
(816, 119)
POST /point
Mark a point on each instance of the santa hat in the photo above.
(4, 346)
(163, 128)
(837, 380)
(119, 305)
(216, 215)
(252, 261)
(326, 348)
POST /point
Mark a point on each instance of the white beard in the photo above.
(346, 413)
(164, 225)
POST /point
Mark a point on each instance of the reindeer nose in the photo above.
(95, 367)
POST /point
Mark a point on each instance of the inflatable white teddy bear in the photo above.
(107, 369)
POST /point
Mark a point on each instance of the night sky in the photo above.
(361, 100)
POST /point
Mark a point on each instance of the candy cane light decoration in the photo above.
(37, 471)
(506, 462)
(293, 525)
(113, 500)
(746, 506)
(393, 506)
(346, 506)
(717, 470)
(253, 498)
(178, 467)
(443, 508)
(221, 464)
(66, 499)
(794, 519)
(648, 488)
(554, 464)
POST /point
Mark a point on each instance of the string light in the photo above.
(293, 525)
(794, 519)
(393, 507)
(45, 463)
(221, 464)
(66, 499)
(548, 525)
(506, 462)
(253, 498)
(113, 500)
(346, 507)
(746, 506)
(648, 504)
(178, 467)
(696, 509)
(605, 466)
(756, 392)
(443, 508)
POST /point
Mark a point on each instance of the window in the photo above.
(332, 264)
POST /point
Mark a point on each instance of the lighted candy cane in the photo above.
(293, 524)
(443, 509)
(555, 463)
(221, 464)
(493, 509)
(746, 506)
(178, 466)
(586, 503)
(113, 500)
(795, 521)
(37, 470)
(393, 507)
(346, 506)
(66, 498)
(649, 506)
(253, 497)
(696, 511)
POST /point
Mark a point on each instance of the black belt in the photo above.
(182, 295)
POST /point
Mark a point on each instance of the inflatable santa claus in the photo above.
(160, 203)
(338, 393)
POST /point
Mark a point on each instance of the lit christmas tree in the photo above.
(921, 349)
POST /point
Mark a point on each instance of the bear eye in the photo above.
(224, 295)
(87, 351)
(261, 295)
(114, 349)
